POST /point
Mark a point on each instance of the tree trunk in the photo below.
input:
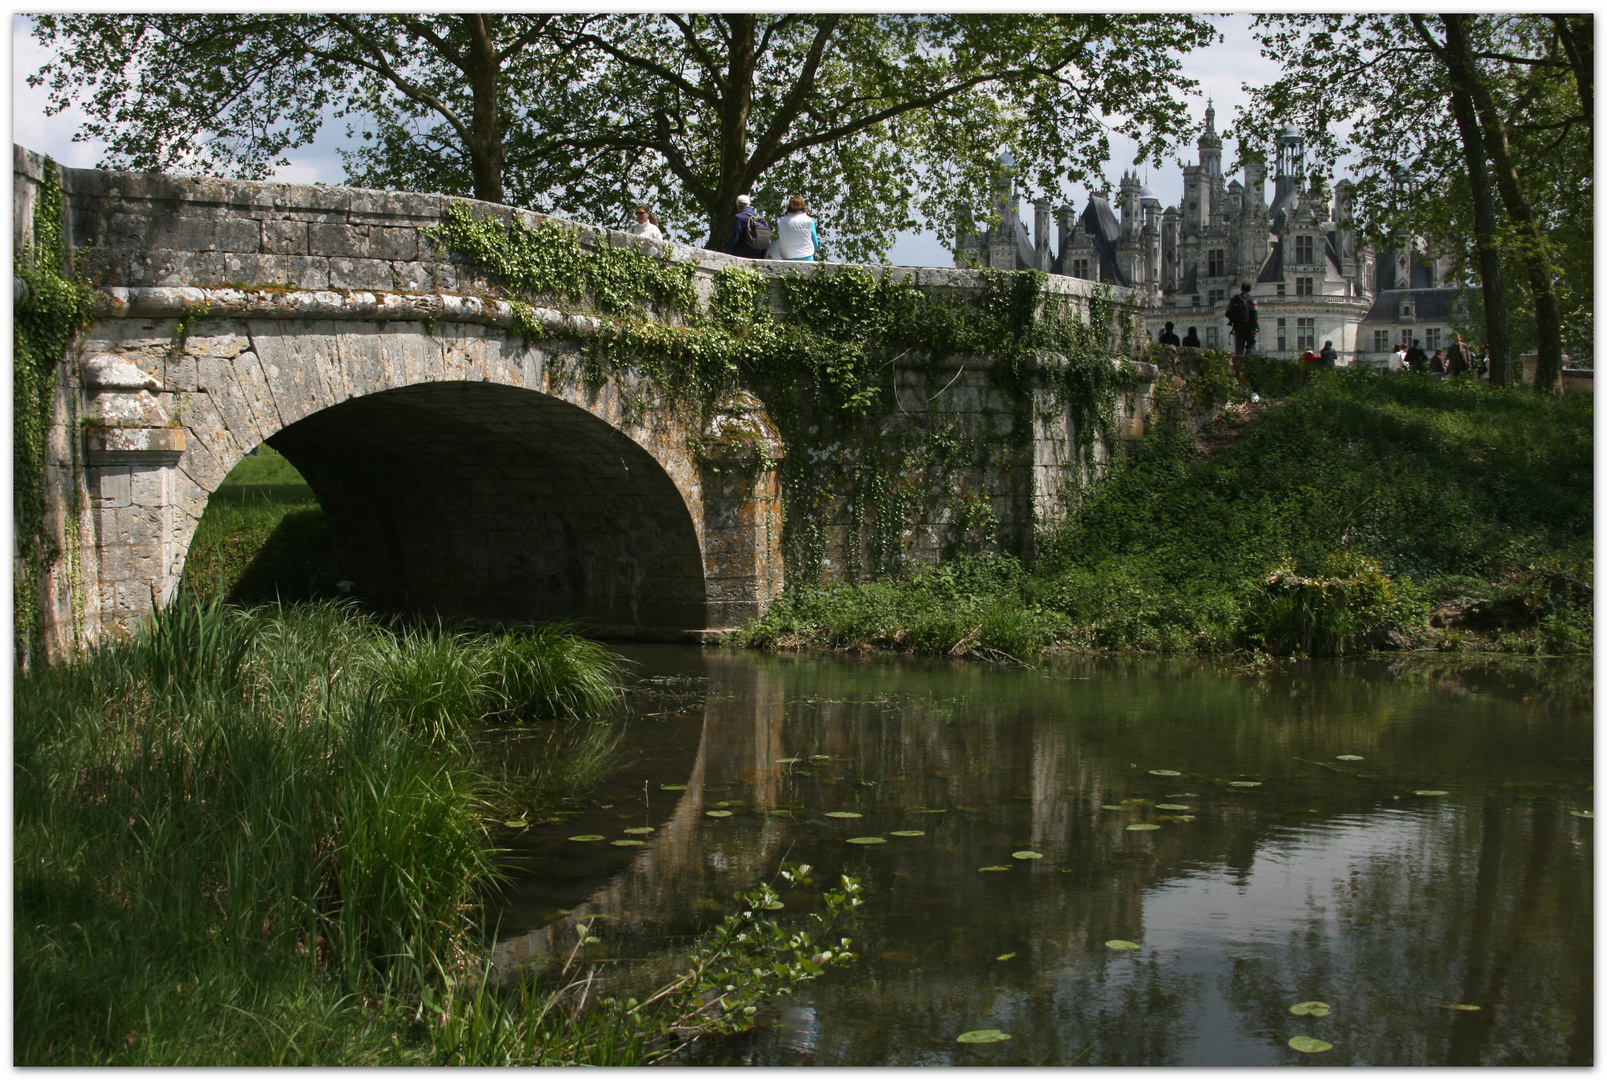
(487, 153)
(1502, 367)
(1531, 244)
(734, 108)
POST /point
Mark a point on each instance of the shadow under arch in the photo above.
(499, 504)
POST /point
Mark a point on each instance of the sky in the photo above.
(1221, 70)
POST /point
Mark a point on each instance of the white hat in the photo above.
(743, 200)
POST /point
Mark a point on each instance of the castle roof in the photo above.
(1432, 305)
(1102, 227)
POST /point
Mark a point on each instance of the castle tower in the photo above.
(1210, 144)
(1255, 193)
(1130, 188)
(1169, 253)
(1040, 234)
(1291, 163)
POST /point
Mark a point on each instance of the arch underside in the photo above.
(500, 504)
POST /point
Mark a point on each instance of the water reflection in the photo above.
(1278, 873)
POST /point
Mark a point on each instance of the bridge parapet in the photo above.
(463, 469)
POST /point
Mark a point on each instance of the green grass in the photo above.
(1361, 511)
(259, 837)
(262, 538)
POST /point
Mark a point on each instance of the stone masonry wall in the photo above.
(237, 312)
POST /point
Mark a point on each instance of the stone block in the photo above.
(208, 231)
(347, 273)
(280, 237)
(112, 486)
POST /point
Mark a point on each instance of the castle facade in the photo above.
(1312, 280)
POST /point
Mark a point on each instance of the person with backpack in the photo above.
(750, 234)
(1244, 320)
(1329, 355)
(796, 238)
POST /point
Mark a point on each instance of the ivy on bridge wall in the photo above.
(825, 353)
(52, 309)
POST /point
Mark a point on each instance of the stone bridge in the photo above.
(460, 471)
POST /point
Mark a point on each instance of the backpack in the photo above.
(755, 233)
(1238, 309)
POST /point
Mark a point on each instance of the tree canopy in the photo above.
(1378, 95)
(883, 122)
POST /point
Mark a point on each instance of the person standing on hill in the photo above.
(1244, 320)
(1329, 355)
(1191, 340)
(796, 238)
(1458, 357)
(1416, 358)
(747, 226)
(1169, 336)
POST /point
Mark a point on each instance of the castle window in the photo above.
(1303, 250)
(1302, 286)
(1216, 263)
(1217, 296)
(1380, 341)
(1213, 337)
(1283, 335)
(1305, 333)
(1408, 309)
(1431, 338)
(1280, 288)
(1079, 268)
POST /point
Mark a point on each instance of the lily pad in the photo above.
(716, 813)
(640, 830)
(1349, 757)
(1164, 772)
(1583, 813)
(672, 787)
(1172, 806)
(1462, 1008)
(867, 840)
(586, 838)
(908, 832)
(628, 843)
(931, 810)
(1307, 1045)
(842, 814)
(1005, 956)
(1111, 808)
(1311, 1008)
(1430, 791)
(1177, 817)
(729, 802)
(781, 813)
(1122, 946)
(1026, 855)
(1142, 827)
(992, 869)
(774, 905)
(1244, 783)
(983, 1035)
(519, 824)
(819, 757)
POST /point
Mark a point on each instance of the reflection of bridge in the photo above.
(459, 471)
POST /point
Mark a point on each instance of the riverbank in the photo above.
(260, 837)
(1361, 512)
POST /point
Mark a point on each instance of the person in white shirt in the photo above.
(1398, 362)
(796, 238)
(646, 224)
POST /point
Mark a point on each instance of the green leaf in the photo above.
(1583, 813)
(1307, 1045)
(1430, 791)
(672, 787)
(1122, 946)
(1005, 956)
(640, 830)
(907, 832)
(628, 843)
(842, 814)
(518, 824)
(983, 1035)
(1025, 855)
(586, 838)
(1142, 827)
(1311, 1008)
(1462, 1008)
(1244, 783)
(867, 840)
(1171, 806)
(1164, 772)
(716, 813)
(992, 869)
(1349, 757)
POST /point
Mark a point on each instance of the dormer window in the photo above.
(1303, 250)
(1408, 309)
(1079, 268)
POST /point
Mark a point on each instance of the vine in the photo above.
(826, 368)
(54, 308)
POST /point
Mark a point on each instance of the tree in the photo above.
(884, 122)
(1435, 113)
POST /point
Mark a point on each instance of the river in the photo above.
(1408, 843)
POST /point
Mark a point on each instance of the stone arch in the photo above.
(500, 503)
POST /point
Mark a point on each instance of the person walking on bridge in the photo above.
(796, 238)
(749, 233)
